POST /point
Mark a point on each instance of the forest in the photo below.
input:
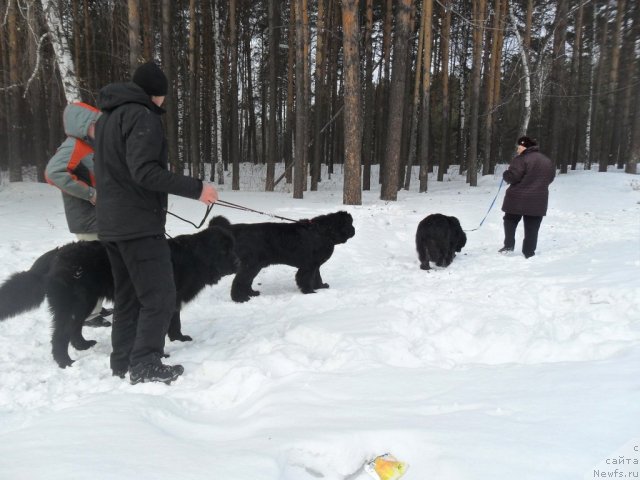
(303, 84)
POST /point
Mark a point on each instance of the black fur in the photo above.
(438, 238)
(75, 275)
(305, 244)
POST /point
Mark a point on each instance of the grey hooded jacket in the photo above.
(71, 168)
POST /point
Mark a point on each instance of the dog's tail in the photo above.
(24, 291)
(219, 221)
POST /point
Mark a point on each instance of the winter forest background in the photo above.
(308, 83)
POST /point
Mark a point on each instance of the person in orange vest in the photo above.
(71, 170)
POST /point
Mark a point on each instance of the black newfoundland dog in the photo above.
(74, 276)
(438, 238)
(305, 244)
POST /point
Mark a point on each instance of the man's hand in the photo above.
(93, 194)
(209, 194)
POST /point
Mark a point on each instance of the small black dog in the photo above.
(75, 275)
(305, 244)
(438, 238)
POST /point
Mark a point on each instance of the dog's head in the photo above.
(337, 226)
(217, 251)
(219, 221)
(459, 238)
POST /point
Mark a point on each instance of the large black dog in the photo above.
(305, 244)
(438, 238)
(75, 275)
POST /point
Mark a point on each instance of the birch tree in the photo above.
(526, 75)
(64, 59)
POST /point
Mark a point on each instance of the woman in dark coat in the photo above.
(528, 176)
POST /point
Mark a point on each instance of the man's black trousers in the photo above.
(144, 299)
(531, 228)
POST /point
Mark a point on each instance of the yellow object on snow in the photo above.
(386, 467)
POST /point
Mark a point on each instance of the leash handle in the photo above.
(490, 207)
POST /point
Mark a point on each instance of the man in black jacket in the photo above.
(133, 181)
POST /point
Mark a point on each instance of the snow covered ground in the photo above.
(494, 368)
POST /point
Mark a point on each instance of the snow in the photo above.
(497, 367)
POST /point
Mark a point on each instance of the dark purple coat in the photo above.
(528, 176)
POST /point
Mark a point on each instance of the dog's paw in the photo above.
(65, 362)
(307, 290)
(181, 338)
(240, 298)
(254, 293)
(323, 285)
(425, 266)
(83, 345)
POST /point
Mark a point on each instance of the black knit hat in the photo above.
(527, 142)
(151, 79)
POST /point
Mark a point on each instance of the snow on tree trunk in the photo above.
(62, 52)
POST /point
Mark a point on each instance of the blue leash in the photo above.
(490, 207)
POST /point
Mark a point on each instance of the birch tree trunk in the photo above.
(218, 94)
(526, 76)
(233, 91)
(60, 44)
(194, 117)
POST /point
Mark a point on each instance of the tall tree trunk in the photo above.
(291, 60)
(588, 146)
(526, 76)
(233, 89)
(576, 73)
(425, 144)
(479, 9)
(558, 107)
(194, 117)
(318, 150)
(389, 189)
(492, 84)
(134, 33)
(615, 125)
(352, 195)
(299, 179)
(444, 149)
(171, 118)
(383, 97)
(60, 44)
(15, 163)
(218, 94)
(597, 153)
(147, 30)
(414, 110)
(634, 157)
(272, 133)
(368, 148)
